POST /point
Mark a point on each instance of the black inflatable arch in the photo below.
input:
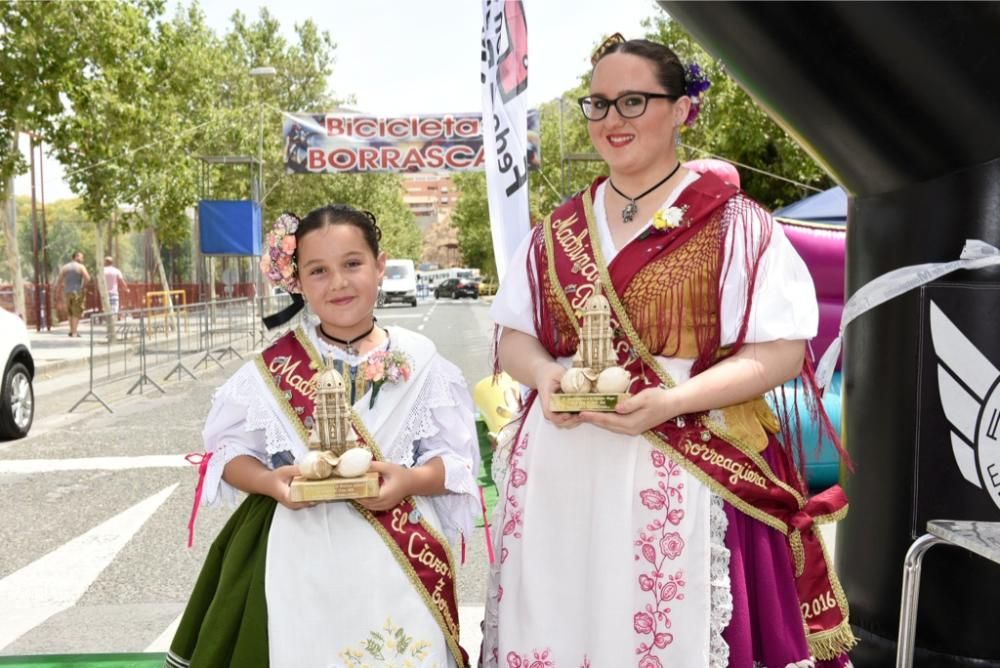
(901, 103)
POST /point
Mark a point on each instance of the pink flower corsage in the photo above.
(384, 366)
(277, 261)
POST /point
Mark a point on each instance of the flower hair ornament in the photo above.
(277, 262)
(697, 82)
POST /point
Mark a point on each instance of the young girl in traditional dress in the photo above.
(338, 583)
(675, 531)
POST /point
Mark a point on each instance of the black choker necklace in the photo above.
(628, 213)
(349, 344)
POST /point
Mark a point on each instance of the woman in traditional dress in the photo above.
(675, 531)
(337, 583)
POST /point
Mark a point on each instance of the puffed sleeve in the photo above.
(512, 305)
(452, 437)
(239, 423)
(784, 301)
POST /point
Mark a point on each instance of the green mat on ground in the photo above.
(85, 661)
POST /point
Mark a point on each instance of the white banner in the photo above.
(505, 125)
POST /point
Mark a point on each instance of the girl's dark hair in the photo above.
(341, 214)
(666, 65)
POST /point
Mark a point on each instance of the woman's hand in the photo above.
(636, 414)
(281, 481)
(547, 379)
(396, 486)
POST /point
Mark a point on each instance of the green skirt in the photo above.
(225, 622)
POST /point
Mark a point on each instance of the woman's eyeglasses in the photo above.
(629, 105)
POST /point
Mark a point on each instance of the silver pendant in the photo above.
(628, 213)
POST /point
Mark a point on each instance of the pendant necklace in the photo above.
(349, 343)
(628, 213)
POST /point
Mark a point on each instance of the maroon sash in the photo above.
(733, 470)
(288, 367)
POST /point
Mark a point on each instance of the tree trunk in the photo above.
(10, 234)
(169, 303)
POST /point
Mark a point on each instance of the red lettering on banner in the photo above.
(368, 159)
(342, 158)
(431, 127)
(334, 126)
(413, 159)
(467, 127)
(390, 157)
(317, 159)
(397, 128)
(366, 128)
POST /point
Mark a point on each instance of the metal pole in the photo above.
(909, 603)
(34, 236)
(47, 289)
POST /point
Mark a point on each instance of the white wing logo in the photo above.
(969, 385)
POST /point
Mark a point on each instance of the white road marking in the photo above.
(92, 464)
(55, 582)
(162, 644)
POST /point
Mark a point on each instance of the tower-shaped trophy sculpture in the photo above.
(336, 467)
(594, 382)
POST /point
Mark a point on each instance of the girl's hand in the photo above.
(547, 380)
(636, 414)
(281, 479)
(395, 486)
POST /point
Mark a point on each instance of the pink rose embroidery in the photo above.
(671, 545)
(642, 622)
(518, 477)
(661, 640)
(675, 516)
(650, 662)
(659, 459)
(646, 583)
(652, 499)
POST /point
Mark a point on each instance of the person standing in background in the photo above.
(113, 277)
(71, 289)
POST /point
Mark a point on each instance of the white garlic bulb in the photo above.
(613, 380)
(354, 462)
(314, 466)
(575, 381)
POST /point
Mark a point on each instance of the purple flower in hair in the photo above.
(697, 83)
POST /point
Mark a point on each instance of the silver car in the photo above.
(17, 396)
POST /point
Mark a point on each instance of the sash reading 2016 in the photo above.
(320, 143)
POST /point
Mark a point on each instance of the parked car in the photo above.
(399, 285)
(457, 288)
(17, 396)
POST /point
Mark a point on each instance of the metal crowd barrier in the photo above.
(176, 341)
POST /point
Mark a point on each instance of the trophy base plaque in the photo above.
(334, 489)
(574, 403)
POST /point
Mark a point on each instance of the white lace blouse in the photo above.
(243, 420)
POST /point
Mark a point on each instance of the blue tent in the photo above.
(828, 207)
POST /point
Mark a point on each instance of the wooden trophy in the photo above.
(336, 467)
(594, 382)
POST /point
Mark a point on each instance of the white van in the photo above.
(399, 286)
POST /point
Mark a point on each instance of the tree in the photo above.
(733, 126)
(471, 217)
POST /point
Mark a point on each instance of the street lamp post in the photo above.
(260, 73)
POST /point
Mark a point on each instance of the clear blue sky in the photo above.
(399, 56)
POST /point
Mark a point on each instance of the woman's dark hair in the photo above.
(666, 65)
(341, 214)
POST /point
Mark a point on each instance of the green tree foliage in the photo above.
(471, 217)
(734, 127)
(129, 98)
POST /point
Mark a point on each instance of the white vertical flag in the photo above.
(505, 124)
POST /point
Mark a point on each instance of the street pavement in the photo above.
(94, 534)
